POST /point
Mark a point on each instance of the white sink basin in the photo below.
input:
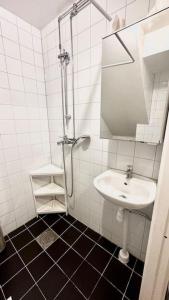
(134, 193)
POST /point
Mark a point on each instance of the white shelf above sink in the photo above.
(53, 206)
(50, 189)
(47, 170)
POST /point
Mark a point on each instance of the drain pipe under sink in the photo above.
(122, 216)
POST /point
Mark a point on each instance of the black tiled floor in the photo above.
(139, 267)
(8, 251)
(9, 268)
(51, 219)
(19, 285)
(60, 226)
(70, 262)
(37, 228)
(83, 245)
(107, 245)
(34, 294)
(16, 231)
(80, 226)
(118, 274)
(70, 291)
(52, 283)
(92, 234)
(105, 291)
(86, 278)
(134, 287)
(31, 222)
(40, 265)
(71, 235)
(98, 258)
(57, 249)
(132, 260)
(30, 251)
(22, 239)
(1, 295)
(71, 268)
(69, 218)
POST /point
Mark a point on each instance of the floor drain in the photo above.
(47, 238)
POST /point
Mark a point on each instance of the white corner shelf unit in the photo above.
(49, 195)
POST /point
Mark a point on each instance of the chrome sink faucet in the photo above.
(129, 172)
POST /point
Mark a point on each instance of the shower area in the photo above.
(72, 137)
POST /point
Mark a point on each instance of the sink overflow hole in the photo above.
(123, 196)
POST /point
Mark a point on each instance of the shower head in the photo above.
(103, 12)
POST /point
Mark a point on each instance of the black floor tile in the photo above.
(71, 235)
(105, 291)
(1, 295)
(7, 252)
(139, 267)
(80, 226)
(51, 219)
(30, 251)
(83, 245)
(52, 283)
(70, 262)
(107, 245)
(33, 294)
(37, 228)
(132, 259)
(57, 249)
(9, 268)
(31, 222)
(118, 274)
(99, 258)
(133, 289)
(18, 285)
(92, 234)
(70, 292)
(22, 239)
(40, 265)
(85, 278)
(69, 219)
(60, 226)
(16, 231)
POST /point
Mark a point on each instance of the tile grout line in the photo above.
(26, 269)
(129, 279)
(55, 264)
(70, 247)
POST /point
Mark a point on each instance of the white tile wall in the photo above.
(90, 160)
(24, 137)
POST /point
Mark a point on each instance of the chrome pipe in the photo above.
(72, 64)
(102, 11)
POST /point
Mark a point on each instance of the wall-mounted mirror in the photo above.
(135, 74)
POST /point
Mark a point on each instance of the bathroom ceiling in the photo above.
(36, 12)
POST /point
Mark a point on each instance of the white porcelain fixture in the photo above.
(134, 193)
(129, 194)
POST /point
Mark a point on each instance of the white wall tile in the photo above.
(25, 38)
(3, 80)
(9, 30)
(1, 46)
(13, 66)
(16, 82)
(2, 63)
(22, 112)
(11, 49)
